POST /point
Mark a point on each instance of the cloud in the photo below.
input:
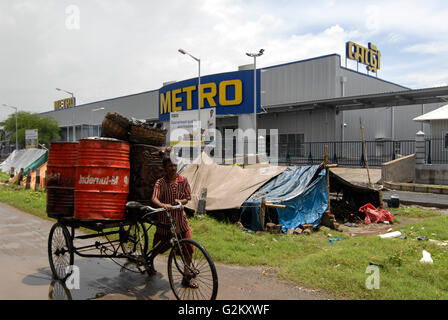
(125, 47)
(438, 47)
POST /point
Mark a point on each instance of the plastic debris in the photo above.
(351, 225)
(332, 240)
(375, 215)
(375, 264)
(439, 243)
(395, 234)
(424, 238)
(426, 257)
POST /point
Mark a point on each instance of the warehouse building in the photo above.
(311, 102)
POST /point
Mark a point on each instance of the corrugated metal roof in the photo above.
(438, 114)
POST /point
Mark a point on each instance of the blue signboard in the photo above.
(229, 93)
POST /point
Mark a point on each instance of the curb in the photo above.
(422, 204)
(413, 187)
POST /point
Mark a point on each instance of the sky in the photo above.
(101, 49)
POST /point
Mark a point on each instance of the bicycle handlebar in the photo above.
(154, 210)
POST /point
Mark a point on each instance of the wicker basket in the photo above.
(115, 126)
(143, 134)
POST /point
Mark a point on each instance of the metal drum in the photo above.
(60, 179)
(102, 179)
(146, 168)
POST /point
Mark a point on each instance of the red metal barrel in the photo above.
(60, 179)
(102, 179)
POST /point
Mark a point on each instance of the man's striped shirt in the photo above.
(166, 192)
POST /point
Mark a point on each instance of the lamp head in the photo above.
(182, 51)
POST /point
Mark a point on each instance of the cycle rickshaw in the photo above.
(128, 239)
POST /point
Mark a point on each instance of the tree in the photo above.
(48, 128)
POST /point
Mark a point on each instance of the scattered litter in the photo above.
(424, 238)
(371, 263)
(332, 240)
(351, 225)
(389, 230)
(275, 240)
(395, 234)
(386, 222)
(329, 235)
(426, 257)
(403, 237)
(439, 243)
(375, 215)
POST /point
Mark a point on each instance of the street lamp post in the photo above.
(199, 96)
(91, 121)
(73, 121)
(255, 55)
(17, 141)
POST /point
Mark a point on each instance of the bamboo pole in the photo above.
(365, 151)
(262, 211)
(327, 168)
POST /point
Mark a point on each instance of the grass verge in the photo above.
(338, 270)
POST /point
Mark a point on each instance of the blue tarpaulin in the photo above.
(306, 199)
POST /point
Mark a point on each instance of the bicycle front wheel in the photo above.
(197, 281)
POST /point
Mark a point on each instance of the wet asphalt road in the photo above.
(25, 272)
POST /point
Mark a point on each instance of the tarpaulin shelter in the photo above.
(24, 159)
(302, 189)
(227, 186)
(355, 195)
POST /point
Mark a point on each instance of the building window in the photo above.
(292, 145)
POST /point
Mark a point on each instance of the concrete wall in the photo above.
(431, 174)
(399, 170)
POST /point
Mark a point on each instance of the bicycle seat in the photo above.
(133, 205)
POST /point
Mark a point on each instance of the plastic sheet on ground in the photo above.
(21, 159)
(227, 186)
(374, 215)
(306, 199)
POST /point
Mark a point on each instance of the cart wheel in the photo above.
(202, 272)
(59, 291)
(60, 251)
(134, 243)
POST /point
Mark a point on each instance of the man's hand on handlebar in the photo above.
(181, 202)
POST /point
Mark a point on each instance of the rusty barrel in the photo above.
(146, 168)
(60, 179)
(102, 179)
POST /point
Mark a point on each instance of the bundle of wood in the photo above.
(142, 133)
(146, 168)
(135, 131)
(146, 152)
(116, 126)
